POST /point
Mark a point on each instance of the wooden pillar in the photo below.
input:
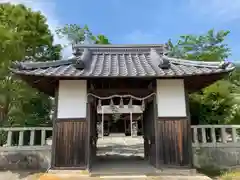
(91, 134)
(102, 117)
(131, 124)
(149, 136)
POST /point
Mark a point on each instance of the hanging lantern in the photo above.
(121, 105)
(130, 105)
(99, 106)
(143, 105)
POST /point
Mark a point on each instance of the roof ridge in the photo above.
(120, 48)
(162, 61)
(28, 65)
(118, 45)
(209, 64)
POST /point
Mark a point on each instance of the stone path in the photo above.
(125, 154)
(123, 146)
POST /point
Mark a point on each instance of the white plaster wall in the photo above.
(72, 99)
(171, 98)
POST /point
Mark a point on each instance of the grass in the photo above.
(221, 174)
(233, 175)
(210, 172)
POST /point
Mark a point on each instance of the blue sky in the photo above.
(144, 21)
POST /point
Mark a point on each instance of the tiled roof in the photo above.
(121, 61)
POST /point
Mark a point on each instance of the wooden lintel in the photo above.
(109, 92)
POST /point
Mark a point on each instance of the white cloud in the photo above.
(221, 10)
(48, 9)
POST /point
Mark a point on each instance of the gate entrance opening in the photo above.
(125, 120)
(121, 134)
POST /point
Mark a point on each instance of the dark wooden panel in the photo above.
(92, 142)
(173, 142)
(70, 144)
(149, 133)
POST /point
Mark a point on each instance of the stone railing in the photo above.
(23, 148)
(202, 135)
(216, 136)
(216, 146)
(24, 138)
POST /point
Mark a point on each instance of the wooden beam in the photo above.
(134, 92)
(120, 83)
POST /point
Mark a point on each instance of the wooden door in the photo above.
(174, 142)
(69, 144)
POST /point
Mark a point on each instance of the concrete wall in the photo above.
(205, 157)
(216, 157)
(25, 159)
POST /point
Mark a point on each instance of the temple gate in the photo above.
(135, 72)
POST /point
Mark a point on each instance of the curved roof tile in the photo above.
(121, 61)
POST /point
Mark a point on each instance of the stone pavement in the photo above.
(120, 145)
(125, 154)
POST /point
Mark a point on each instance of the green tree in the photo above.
(207, 47)
(100, 39)
(213, 104)
(29, 28)
(24, 34)
(77, 34)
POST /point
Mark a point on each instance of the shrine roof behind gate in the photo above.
(91, 61)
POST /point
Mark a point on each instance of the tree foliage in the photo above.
(24, 34)
(29, 29)
(207, 47)
(77, 34)
(214, 104)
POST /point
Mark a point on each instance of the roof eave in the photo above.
(107, 77)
